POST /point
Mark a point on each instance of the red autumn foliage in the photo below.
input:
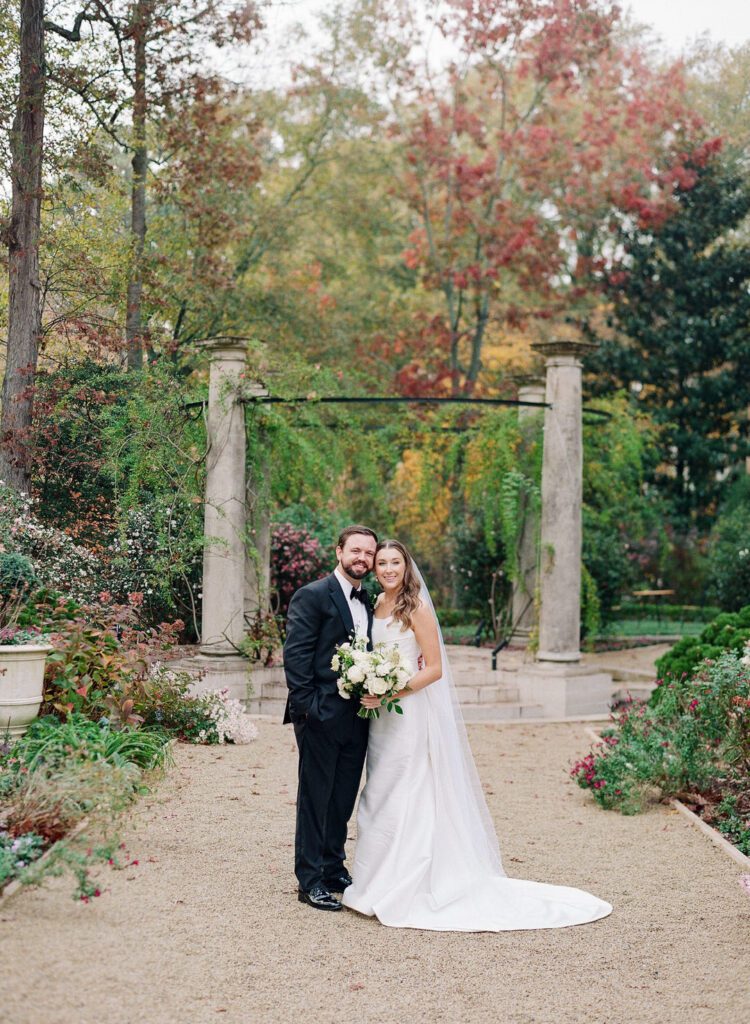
(544, 137)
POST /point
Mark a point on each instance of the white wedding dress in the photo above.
(426, 854)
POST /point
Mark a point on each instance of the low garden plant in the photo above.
(163, 700)
(690, 740)
(60, 774)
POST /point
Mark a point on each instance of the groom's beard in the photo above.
(357, 570)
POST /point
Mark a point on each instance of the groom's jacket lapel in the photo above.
(369, 620)
(337, 596)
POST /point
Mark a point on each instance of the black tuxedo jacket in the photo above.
(319, 619)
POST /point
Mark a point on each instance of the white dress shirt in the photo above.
(357, 608)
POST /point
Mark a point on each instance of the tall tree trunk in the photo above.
(24, 305)
(134, 314)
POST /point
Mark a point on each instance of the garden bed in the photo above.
(689, 742)
(63, 780)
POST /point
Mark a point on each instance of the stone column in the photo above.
(562, 471)
(224, 511)
(531, 389)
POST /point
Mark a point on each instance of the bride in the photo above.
(427, 854)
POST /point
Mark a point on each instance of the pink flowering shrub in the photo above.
(692, 736)
(297, 558)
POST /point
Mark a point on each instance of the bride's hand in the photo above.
(369, 701)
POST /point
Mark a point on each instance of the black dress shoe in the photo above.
(339, 882)
(320, 898)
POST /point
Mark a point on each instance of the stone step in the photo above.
(272, 691)
(475, 693)
(472, 712)
(266, 706)
(505, 712)
(485, 694)
(629, 675)
(501, 677)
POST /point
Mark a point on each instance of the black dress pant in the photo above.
(331, 757)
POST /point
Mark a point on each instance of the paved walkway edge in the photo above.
(716, 837)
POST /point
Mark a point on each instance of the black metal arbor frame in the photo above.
(403, 400)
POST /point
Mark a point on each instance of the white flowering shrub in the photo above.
(231, 721)
(158, 553)
(59, 562)
(164, 700)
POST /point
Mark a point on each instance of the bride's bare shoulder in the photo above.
(423, 615)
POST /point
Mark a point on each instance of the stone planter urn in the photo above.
(21, 684)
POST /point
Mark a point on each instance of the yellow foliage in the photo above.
(424, 528)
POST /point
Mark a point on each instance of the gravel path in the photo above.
(207, 927)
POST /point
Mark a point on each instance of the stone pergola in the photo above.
(235, 584)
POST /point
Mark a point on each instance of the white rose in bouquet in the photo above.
(383, 669)
(379, 686)
(403, 675)
(356, 674)
(342, 690)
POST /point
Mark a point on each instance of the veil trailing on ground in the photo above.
(461, 810)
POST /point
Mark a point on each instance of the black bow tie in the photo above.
(358, 594)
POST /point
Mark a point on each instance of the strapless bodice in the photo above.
(388, 631)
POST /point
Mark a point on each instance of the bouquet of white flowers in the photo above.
(382, 672)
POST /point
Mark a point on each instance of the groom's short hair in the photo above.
(351, 530)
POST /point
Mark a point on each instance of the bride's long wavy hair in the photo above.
(407, 601)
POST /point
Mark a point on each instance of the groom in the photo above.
(331, 739)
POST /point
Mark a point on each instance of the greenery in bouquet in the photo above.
(381, 672)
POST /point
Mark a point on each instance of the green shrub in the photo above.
(164, 701)
(729, 551)
(57, 775)
(470, 617)
(667, 612)
(734, 822)
(16, 574)
(692, 732)
(729, 631)
(51, 744)
(59, 563)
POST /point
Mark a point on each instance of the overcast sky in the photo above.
(676, 21)
(679, 21)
